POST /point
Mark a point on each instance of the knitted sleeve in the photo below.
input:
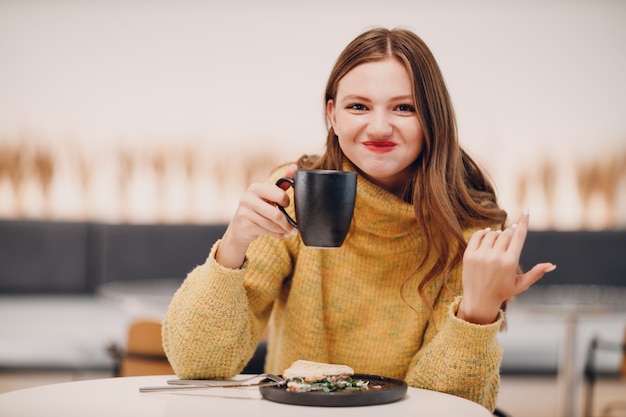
(216, 317)
(460, 358)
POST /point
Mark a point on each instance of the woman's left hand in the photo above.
(490, 271)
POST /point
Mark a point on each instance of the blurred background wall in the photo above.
(163, 111)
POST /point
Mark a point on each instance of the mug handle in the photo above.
(281, 208)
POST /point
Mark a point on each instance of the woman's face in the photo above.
(375, 120)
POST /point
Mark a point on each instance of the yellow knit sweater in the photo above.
(337, 306)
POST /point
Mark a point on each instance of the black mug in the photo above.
(324, 203)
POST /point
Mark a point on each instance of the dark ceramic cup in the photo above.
(324, 203)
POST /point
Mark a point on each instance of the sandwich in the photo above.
(304, 376)
(310, 371)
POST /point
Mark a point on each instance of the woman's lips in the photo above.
(379, 146)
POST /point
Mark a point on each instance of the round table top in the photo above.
(120, 397)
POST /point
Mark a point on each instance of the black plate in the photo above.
(390, 390)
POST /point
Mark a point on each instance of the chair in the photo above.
(591, 374)
(257, 363)
(144, 353)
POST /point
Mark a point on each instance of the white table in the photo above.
(120, 397)
(141, 297)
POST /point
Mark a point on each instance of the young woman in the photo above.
(415, 291)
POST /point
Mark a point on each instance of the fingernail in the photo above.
(526, 212)
(551, 268)
(513, 226)
(487, 229)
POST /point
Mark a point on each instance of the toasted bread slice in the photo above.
(309, 370)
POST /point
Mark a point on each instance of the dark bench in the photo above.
(582, 257)
(75, 258)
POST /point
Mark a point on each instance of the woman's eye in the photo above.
(406, 108)
(357, 106)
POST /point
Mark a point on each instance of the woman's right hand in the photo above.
(256, 215)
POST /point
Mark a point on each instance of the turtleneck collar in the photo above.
(379, 212)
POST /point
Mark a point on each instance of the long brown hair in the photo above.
(448, 190)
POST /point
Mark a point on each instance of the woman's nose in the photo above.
(379, 126)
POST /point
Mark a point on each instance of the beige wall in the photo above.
(538, 87)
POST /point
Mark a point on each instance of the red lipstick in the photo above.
(382, 146)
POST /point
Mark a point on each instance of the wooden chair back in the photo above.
(144, 353)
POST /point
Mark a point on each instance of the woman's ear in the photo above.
(330, 113)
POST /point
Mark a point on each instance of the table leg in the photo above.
(567, 375)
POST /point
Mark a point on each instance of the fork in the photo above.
(182, 384)
(225, 382)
